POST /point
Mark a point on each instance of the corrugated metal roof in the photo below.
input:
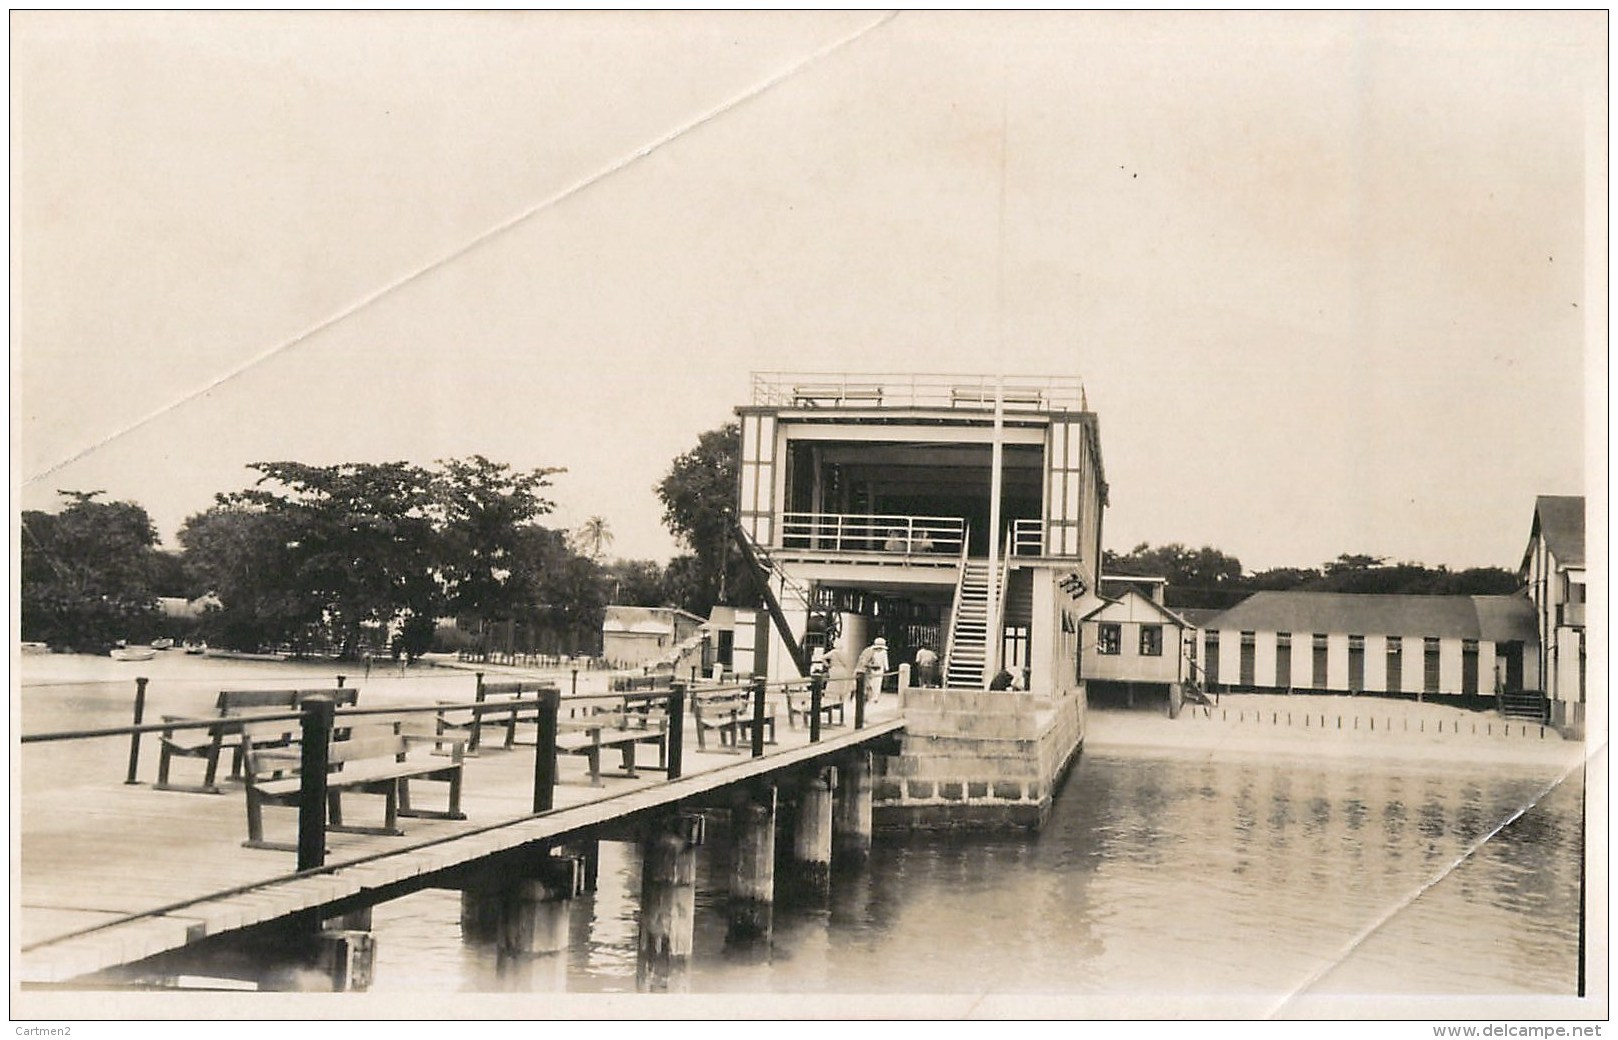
(1500, 618)
(1559, 519)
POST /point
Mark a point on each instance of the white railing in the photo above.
(954, 612)
(1028, 538)
(865, 533)
(882, 390)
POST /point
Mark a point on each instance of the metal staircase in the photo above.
(969, 627)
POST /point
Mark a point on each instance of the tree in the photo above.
(241, 555)
(699, 495)
(593, 537)
(361, 546)
(484, 509)
(1202, 577)
(88, 573)
(637, 582)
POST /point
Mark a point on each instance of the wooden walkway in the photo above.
(112, 873)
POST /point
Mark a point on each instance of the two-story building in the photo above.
(1553, 571)
(958, 512)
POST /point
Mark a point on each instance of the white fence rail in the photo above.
(892, 535)
(879, 390)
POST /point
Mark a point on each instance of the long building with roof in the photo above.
(1334, 642)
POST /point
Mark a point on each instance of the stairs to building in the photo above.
(969, 628)
(1529, 705)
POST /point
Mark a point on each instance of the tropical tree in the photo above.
(699, 496)
(486, 510)
(88, 573)
(593, 537)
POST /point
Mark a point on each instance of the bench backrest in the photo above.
(721, 702)
(267, 750)
(516, 689)
(235, 702)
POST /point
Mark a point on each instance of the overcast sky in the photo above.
(1325, 276)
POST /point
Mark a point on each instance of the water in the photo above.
(1161, 871)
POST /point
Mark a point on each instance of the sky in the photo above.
(1334, 282)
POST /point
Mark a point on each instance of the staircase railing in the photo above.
(955, 604)
(994, 634)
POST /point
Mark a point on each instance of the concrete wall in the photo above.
(978, 759)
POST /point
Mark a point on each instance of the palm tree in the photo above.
(594, 537)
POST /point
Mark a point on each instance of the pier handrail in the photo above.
(930, 390)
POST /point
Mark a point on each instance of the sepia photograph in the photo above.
(1087, 517)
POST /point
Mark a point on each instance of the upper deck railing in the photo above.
(879, 390)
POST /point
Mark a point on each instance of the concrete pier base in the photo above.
(851, 814)
(811, 839)
(524, 916)
(668, 904)
(752, 877)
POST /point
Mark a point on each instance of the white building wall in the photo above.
(1449, 666)
(1486, 661)
(1303, 661)
(1376, 664)
(1411, 664)
(1337, 660)
(742, 653)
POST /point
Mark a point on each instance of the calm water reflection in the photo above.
(1160, 872)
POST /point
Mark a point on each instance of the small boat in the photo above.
(35, 648)
(163, 644)
(196, 648)
(133, 653)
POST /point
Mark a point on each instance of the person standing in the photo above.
(926, 667)
(872, 665)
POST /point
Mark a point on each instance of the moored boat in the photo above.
(133, 653)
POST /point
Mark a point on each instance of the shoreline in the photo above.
(1356, 728)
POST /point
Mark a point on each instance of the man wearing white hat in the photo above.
(872, 663)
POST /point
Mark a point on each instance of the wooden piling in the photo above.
(668, 904)
(811, 840)
(752, 877)
(851, 812)
(675, 740)
(758, 714)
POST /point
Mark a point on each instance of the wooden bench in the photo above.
(815, 395)
(800, 703)
(730, 712)
(210, 743)
(590, 733)
(374, 758)
(510, 695)
(984, 396)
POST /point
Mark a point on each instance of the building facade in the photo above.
(634, 637)
(959, 513)
(1332, 642)
(1133, 646)
(1553, 572)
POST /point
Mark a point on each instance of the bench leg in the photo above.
(629, 760)
(594, 755)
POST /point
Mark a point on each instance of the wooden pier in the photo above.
(113, 873)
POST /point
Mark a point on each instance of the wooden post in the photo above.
(817, 696)
(851, 815)
(668, 904)
(477, 717)
(758, 716)
(550, 704)
(811, 841)
(676, 733)
(134, 738)
(340, 680)
(859, 700)
(316, 735)
(347, 959)
(752, 877)
(575, 689)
